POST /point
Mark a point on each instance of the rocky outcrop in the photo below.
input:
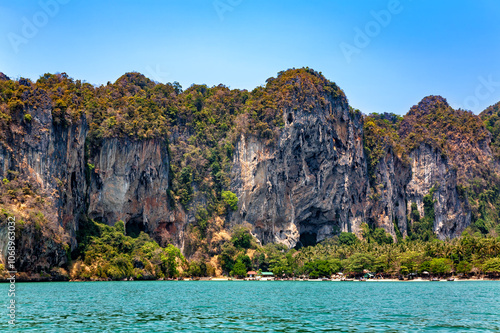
(386, 204)
(307, 186)
(53, 157)
(431, 169)
(398, 185)
(48, 158)
(300, 173)
(130, 182)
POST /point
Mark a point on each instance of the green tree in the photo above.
(464, 267)
(226, 258)
(121, 267)
(242, 238)
(239, 269)
(202, 217)
(230, 199)
(169, 260)
(410, 260)
(359, 262)
(381, 237)
(481, 225)
(197, 268)
(415, 214)
(492, 265)
(120, 227)
(245, 260)
(440, 266)
(185, 190)
(347, 238)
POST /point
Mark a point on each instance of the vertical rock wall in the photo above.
(307, 186)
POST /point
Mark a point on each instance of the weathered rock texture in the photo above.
(309, 185)
(386, 204)
(451, 150)
(306, 185)
(49, 158)
(431, 169)
(129, 182)
(398, 185)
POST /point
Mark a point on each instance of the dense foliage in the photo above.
(491, 119)
(375, 253)
(434, 122)
(201, 126)
(460, 137)
(109, 254)
(381, 137)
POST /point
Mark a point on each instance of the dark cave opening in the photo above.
(307, 239)
(134, 227)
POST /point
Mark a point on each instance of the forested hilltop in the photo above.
(142, 179)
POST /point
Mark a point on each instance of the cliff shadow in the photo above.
(134, 227)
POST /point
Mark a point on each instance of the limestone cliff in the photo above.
(129, 181)
(298, 158)
(47, 161)
(430, 169)
(310, 183)
(387, 195)
(450, 150)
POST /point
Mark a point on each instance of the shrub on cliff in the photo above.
(434, 122)
(230, 199)
(242, 238)
(491, 119)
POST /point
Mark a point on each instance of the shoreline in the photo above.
(224, 279)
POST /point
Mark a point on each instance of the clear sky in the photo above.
(386, 55)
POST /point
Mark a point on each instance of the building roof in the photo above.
(267, 274)
(251, 273)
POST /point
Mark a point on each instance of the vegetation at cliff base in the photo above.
(110, 254)
(466, 255)
(201, 127)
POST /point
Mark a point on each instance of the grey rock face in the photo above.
(306, 186)
(310, 184)
(53, 157)
(431, 169)
(399, 185)
(130, 182)
(386, 204)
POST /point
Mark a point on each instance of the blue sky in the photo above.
(414, 48)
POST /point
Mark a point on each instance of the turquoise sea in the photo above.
(247, 306)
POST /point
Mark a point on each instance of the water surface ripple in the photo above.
(274, 306)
